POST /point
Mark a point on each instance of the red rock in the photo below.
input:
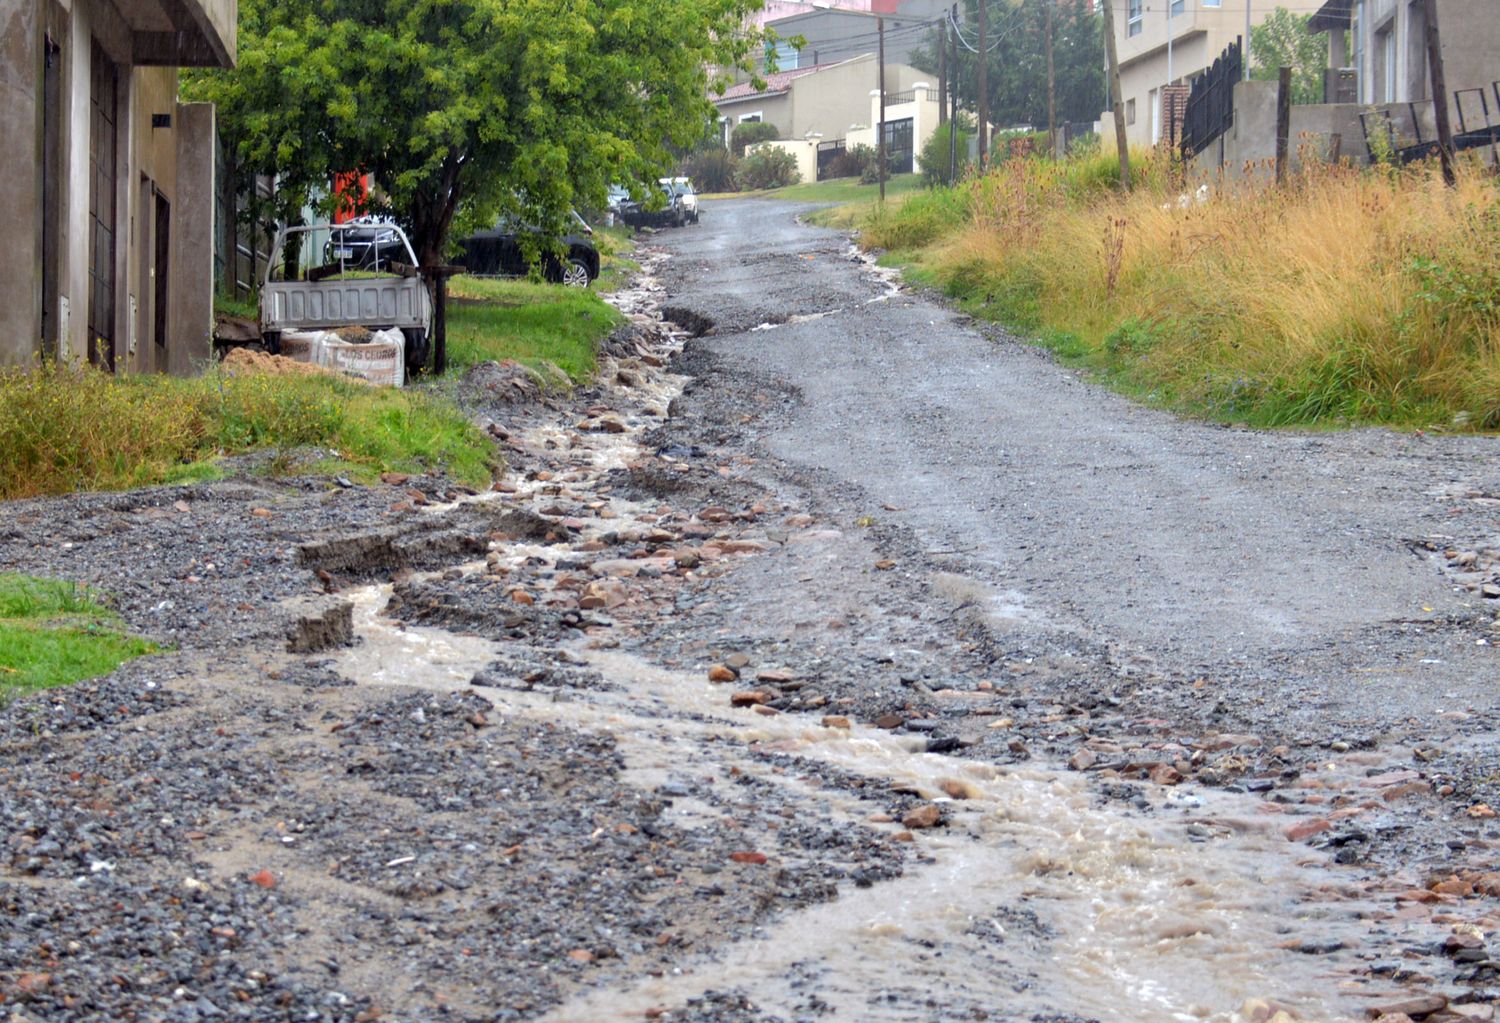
(889, 721)
(264, 878)
(756, 858)
(1300, 831)
(836, 721)
(261, 513)
(775, 675)
(1414, 1006)
(31, 983)
(581, 955)
(926, 816)
(1082, 760)
(884, 565)
(395, 479)
(722, 673)
(1164, 774)
(749, 698)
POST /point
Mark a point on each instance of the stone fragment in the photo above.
(749, 698)
(1414, 1006)
(928, 815)
(263, 878)
(836, 721)
(1300, 831)
(1083, 760)
(956, 788)
(889, 721)
(775, 676)
(1164, 774)
(756, 858)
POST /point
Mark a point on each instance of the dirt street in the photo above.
(833, 658)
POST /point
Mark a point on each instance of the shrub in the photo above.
(749, 133)
(933, 160)
(851, 163)
(713, 170)
(769, 168)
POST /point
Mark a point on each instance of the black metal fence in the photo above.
(827, 153)
(1210, 106)
(899, 152)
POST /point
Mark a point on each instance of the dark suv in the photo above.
(498, 252)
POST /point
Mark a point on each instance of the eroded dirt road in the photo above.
(844, 662)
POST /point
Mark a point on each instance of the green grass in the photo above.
(54, 633)
(845, 190)
(532, 323)
(615, 264)
(245, 309)
(64, 429)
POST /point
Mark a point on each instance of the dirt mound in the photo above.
(250, 361)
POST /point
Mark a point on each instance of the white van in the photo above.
(683, 188)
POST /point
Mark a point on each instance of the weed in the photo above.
(54, 632)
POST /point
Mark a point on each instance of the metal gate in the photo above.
(827, 153)
(1210, 106)
(898, 146)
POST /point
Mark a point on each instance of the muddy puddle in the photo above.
(1040, 893)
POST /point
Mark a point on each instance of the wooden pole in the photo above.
(1051, 87)
(953, 101)
(1245, 55)
(943, 73)
(1112, 53)
(880, 160)
(1440, 94)
(984, 88)
(1283, 121)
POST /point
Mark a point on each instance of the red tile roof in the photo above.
(775, 84)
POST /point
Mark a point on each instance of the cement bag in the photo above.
(381, 360)
(303, 345)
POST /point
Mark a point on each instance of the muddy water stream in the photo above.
(1038, 896)
(1035, 896)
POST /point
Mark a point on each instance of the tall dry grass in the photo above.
(1348, 296)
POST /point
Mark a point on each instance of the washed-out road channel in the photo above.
(834, 657)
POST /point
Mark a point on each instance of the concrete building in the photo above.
(910, 117)
(824, 100)
(111, 179)
(1197, 31)
(832, 34)
(1382, 46)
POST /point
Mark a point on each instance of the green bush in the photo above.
(769, 168)
(749, 133)
(934, 159)
(713, 170)
(852, 162)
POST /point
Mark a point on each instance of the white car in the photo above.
(683, 188)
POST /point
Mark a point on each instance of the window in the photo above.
(1177, 8)
(1211, 3)
(1137, 17)
(782, 56)
(750, 118)
(1130, 111)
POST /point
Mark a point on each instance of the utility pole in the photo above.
(1051, 87)
(1245, 54)
(1112, 52)
(953, 100)
(984, 90)
(880, 158)
(943, 73)
(1440, 93)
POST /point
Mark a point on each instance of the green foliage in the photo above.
(921, 219)
(54, 632)
(1283, 40)
(521, 106)
(713, 170)
(749, 133)
(940, 161)
(854, 162)
(768, 168)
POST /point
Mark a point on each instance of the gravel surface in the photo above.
(865, 666)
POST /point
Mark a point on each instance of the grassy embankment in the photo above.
(53, 633)
(64, 429)
(1346, 297)
(854, 202)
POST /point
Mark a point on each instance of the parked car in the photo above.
(366, 243)
(671, 213)
(683, 188)
(499, 252)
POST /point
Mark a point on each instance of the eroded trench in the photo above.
(1036, 897)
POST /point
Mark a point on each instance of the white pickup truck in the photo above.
(346, 275)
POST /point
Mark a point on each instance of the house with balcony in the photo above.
(1377, 53)
(1163, 45)
(111, 179)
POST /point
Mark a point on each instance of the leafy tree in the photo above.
(939, 153)
(472, 107)
(1017, 67)
(1283, 40)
